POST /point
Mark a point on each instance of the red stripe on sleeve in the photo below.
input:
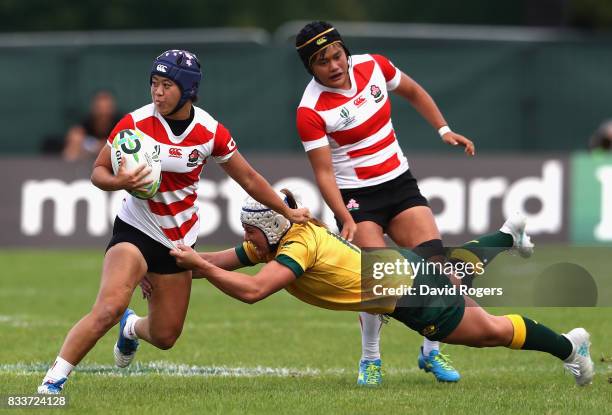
(387, 68)
(171, 209)
(174, 234)
(310, 125)
(378, 169)
(224, 143)
(374, 148)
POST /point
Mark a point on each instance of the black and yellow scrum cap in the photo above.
(315, 43)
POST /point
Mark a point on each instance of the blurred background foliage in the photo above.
(42, 15)
(543, 90)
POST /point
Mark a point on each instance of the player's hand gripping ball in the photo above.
(137, 149)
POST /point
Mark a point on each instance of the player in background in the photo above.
(344, 122)
(145, 230)
(324, 270)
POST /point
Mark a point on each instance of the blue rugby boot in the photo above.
(52, 387)
(438, 364)
(125, 349)
(370, 372)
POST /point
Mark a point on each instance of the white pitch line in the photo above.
(173, 369)
(23, 321)
(183, 370)
(13, 321)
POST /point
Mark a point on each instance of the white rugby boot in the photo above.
(579, 363)
(515, 226)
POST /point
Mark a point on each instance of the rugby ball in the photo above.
(137, 149)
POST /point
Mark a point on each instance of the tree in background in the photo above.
(37, 15)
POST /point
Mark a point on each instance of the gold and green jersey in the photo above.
(328, 270)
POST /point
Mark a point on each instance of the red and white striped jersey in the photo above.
(355, 123)
(171, 216)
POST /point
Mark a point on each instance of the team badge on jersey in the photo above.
(194, 156)
(376, 93)
(352, 205)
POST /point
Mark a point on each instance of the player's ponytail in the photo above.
(292, 203)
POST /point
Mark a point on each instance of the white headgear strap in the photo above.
(272, 224)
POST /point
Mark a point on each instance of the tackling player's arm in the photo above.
(321, 162)
(271, 278)
(425, 105)
(259, 188)
(103, 178)
(227, 259)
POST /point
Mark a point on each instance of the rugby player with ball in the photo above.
(156, 153)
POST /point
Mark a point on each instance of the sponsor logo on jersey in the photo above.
(346, 116)
(376, 93)
(162, 68)
(429, 330)
(359, 101)
(175, 152)
(321, 40)
(193, 158)
(231, 145)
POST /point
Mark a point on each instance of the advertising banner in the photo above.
(49, 203)
(591, 199)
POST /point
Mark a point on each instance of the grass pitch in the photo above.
(278, 356)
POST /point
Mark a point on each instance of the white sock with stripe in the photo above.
(429, 345)
(129, 330)
(60, 369)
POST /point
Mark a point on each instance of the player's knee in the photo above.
(105, 316)
(165, 341)
(495, 334)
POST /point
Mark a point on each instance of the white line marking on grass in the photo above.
(30, 321)
(182, 370)
(13, 321)
(173, 369)
(21, 292)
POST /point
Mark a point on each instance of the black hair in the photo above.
(292, 203)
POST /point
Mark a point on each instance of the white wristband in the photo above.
(444, 130)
